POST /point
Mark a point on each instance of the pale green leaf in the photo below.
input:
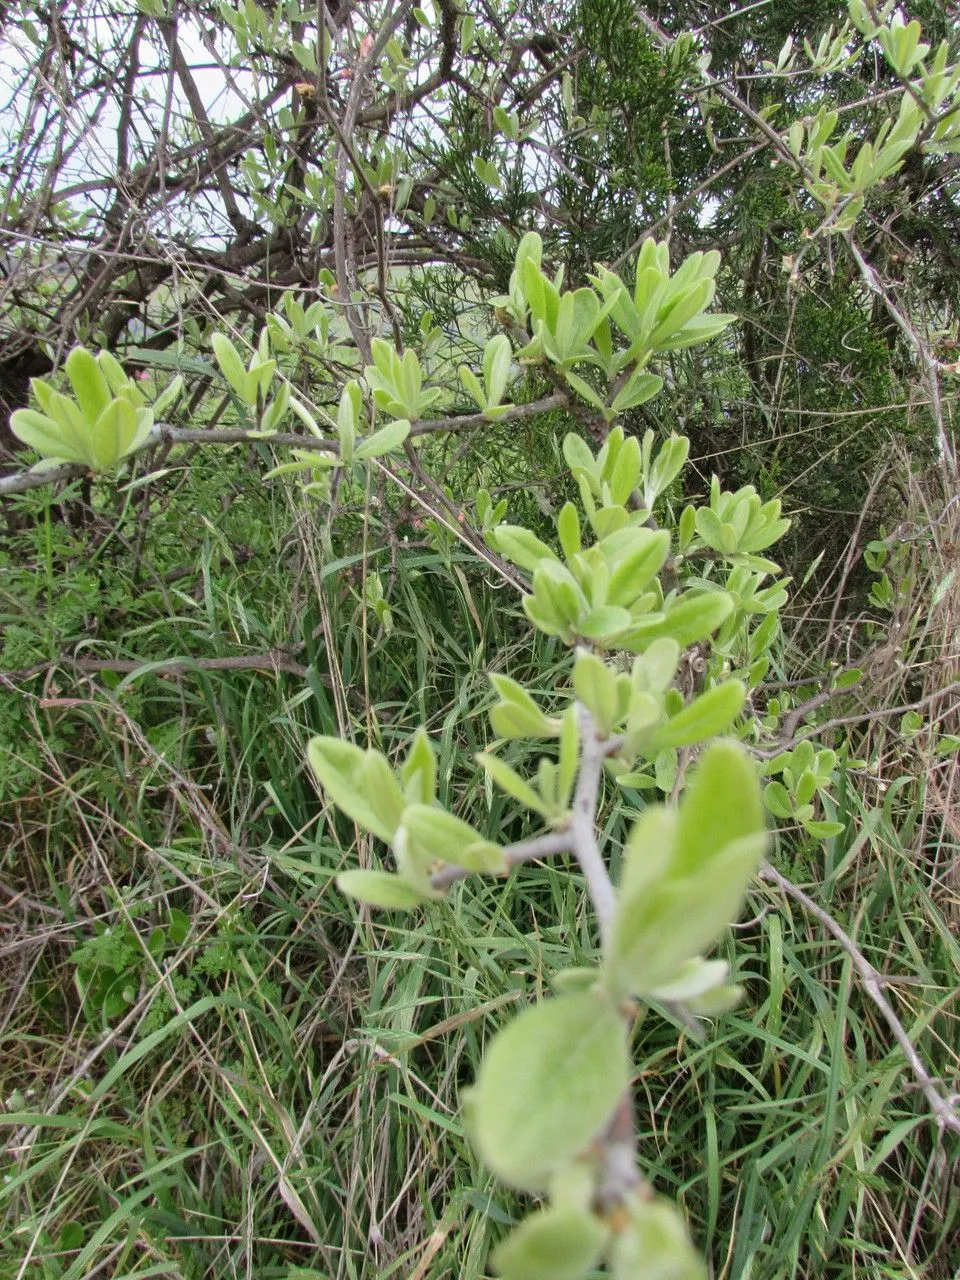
(89, 384)
(418, 775)
(552, 1244)
(379, 889)
(713, 712)
(383, 441)
(509, 780)
(547, 1086)
(721, 804)
(520, 546)
(448, 839)
(341, 769)
(50, 439)
(654, 1245)
(688, 620)
(232, 367)
(603, 623)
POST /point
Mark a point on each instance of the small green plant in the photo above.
(111, 966)
(551, 1112)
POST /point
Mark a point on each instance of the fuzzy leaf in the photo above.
(380, 889)
(688, 620)
(520, 546)
(448, 839)
(710, 714)
(419, 773)
(552, 1244)
(653, 1245)
(509, 780)
(341, 769)
(547, 1086)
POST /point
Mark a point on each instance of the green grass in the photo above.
(247, 1076)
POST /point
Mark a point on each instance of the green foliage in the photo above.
(530, 1120)
(475, 496)
(106, 421)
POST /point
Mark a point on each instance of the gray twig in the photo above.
(943, 1108)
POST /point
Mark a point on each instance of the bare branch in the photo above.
(943, 1108)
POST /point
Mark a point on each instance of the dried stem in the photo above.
(943, 1108)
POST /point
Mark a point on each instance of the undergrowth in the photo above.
(211, 1065)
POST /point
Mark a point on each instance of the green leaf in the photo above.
(688, 304)
(507, 122)
(649, 850)
(232, 367)
(418, 776)
(595, 685)
(520, 546)
(777, 799)
(113, 433)
(678, 918)
(380, 785)
(685, 876)
(633, 571)
(341, 769)
(380, 889)
(569, 755)
(497, 356)
(603, 623)
(89, 384)
(669, 463)
(547, 1086)
(552, 1244)
(654, 670)
(526, 720)
(665, 768)
(715, 1003)
(383, 441)
(576, 981)
(50, 439)
(509, 780)
(168, 396)
(471, 384)
(721, 804)
(823, 830)
(694, 978)
(640, 388)
(701, 329)
(585, 390)
(556, 595)
(576, 453)
(711, 713)
(448, 839)
(688, 620)
(654, 1245)
(568, 530)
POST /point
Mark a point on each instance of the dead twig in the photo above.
(944, 1108)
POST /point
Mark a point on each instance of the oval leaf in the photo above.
(448, 839)
(712, 713)
(379, 889)
(341, 768)
(553, 1244)
(548, 1085)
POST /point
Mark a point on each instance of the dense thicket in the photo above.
(306, 179)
